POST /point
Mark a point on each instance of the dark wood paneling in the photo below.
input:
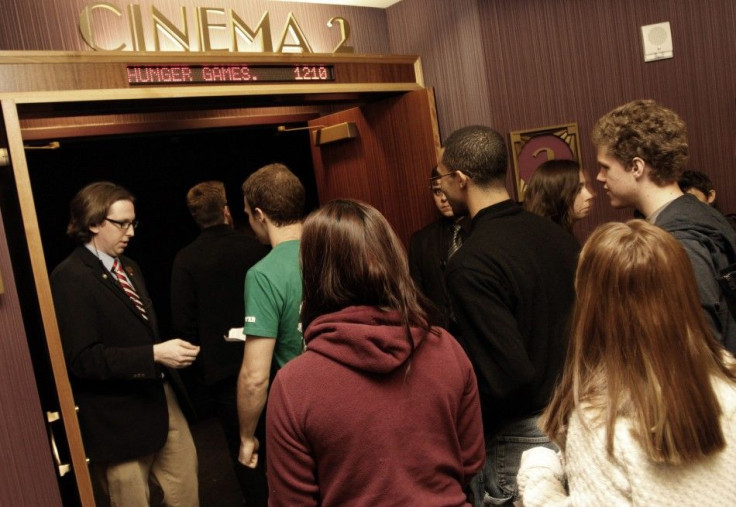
(27, 475)
(546, 63)
(579, 59)
(388, 164)
(447, 36)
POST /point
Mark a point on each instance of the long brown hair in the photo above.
(640, 346)
(552, 190)
(350, 256)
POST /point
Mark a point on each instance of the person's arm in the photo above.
(709, 292)
(81, 321)
(541, 479)
(486, 326)
(252, 392)
(292, 471)
(175, 353)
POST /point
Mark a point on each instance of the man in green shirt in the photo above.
(274, 202)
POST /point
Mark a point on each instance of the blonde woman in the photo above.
(645, 413)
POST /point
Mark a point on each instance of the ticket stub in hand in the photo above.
(235, 335)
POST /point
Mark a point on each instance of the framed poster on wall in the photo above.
(530, 148)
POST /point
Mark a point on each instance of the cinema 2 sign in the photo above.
(209, 21)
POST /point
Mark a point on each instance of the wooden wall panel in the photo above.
(27, 476)
(574, 60)
(447, 37)
(388, 164)
(547, 63)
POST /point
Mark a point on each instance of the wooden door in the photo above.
(388, 164)
(60, 450)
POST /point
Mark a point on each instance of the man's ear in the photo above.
(711, 196)
(637, 167)
(94, 229)
(259, 215)
(228, 217)
(461, 178)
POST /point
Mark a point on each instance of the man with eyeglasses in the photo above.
(133, 428)
(511, 287)
(430, 248)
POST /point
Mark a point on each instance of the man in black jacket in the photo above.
(133, 428)
(430, 247)
(511, 287)
(207, 301)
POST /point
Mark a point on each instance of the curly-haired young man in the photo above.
(642, 151)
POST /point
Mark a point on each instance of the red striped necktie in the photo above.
(117, 268)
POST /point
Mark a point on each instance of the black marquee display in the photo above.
(219, 74)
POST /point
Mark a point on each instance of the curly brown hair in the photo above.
(649, 131)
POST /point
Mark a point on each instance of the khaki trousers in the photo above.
(173, 467)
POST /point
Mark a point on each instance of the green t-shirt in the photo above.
(273, 298)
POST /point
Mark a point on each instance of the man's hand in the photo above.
(175, 353)
(248, 452)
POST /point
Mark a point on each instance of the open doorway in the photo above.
(159, 168)
(50, 96)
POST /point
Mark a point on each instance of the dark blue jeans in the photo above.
(495, 484)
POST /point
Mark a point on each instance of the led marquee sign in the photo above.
(227, 74)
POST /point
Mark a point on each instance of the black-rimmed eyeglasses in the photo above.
(440, 176)
(124, 226)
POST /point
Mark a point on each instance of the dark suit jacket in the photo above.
(207, 284)
(108, 347)
(427, 260)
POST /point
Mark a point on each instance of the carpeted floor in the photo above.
(217, 484)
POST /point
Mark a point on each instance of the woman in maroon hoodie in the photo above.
(381, 409)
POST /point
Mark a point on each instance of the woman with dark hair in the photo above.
(645, 413)
(381, 408)
(557, 190)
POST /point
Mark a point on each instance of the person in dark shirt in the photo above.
(123, 374)
(698, 183)
(511, 288)
(206, 301)
(429, 249)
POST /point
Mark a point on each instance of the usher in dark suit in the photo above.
(427, 261)
(108, 348)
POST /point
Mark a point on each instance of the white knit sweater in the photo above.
(628, 477)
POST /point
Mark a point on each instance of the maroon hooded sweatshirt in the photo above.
(360, 419)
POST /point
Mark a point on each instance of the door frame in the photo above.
(53, 78)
